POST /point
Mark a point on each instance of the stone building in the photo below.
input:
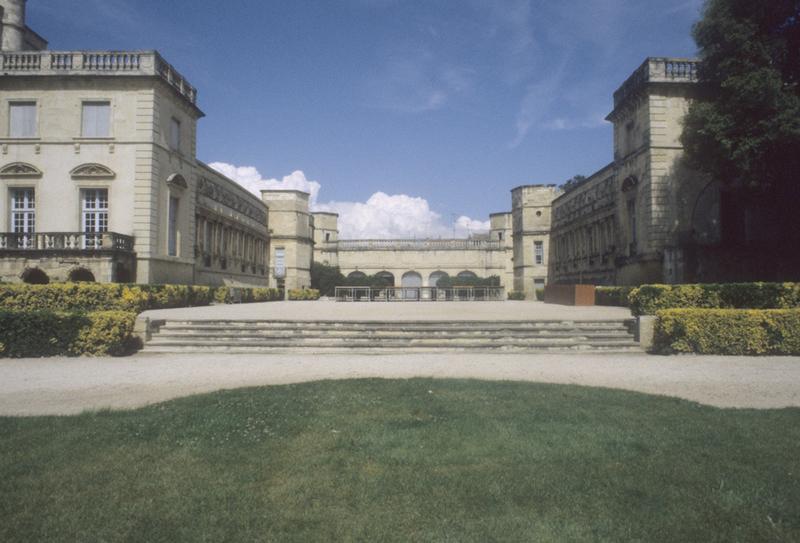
(641, 218)
(515, 249)
(100, 177)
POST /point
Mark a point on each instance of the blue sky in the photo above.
(404, 115)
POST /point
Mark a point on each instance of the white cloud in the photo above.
(573, 124)
(382, 216)
(250, 178)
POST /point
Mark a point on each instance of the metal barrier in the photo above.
(419, 294)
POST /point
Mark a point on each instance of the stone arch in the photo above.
(386, 276)
(466, 274)
(434, 277)
(92, 171)
(411, 279)
(81, 275)
(357, 275)
(20, 169)
(34, 276)
(176, 180)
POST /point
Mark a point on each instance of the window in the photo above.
(538, 252)
(94, 216)
(23, 216)
(280, 262)
(500, 236)
(96, 120)
(632, 226)
(22, 116)
(327, 236)
(175, 134)
(172, 234)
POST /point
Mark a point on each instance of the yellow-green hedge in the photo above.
(48, 333)
(100, 297)
(303, 294)
(648, 299)
(246, 295)
(728, 331)
(116, 297)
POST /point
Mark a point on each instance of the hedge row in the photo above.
(612, 296)
(728, 331)
(648, 299)
(516, 295)
(304, 294)
(48, 333)
(117, 297)
(246, 295)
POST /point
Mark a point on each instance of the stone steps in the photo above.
(390, 336)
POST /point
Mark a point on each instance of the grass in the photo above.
(417, 460)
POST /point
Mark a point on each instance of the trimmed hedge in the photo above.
(648, 299)
(539, 293)
(48, 333)
(101, 297)
(298, 294)
(728, 331)
(516, 295)
(612, 296)
(227, 295)
(116, 297)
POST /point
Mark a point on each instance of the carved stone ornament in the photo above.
(214, 191)
(20, 169)
(92, 171)
(629, 183)
(177, 180)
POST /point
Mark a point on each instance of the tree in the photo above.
(325, 278)
(744, 128)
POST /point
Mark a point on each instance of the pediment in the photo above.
(20, 169)
(92, 171)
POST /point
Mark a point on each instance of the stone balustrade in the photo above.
(419, 245)
(657, 70)
(65, 241)
(109, 63)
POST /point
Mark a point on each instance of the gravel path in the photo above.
(62, 386)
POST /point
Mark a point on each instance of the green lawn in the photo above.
(418, 460)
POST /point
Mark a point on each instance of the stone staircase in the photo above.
(263, 337)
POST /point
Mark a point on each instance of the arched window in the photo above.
(411, 279)
(434, 278)
(386, 277)
(467, 275)
(34, 276)
(81, 275)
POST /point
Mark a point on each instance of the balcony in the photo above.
(96, 63)
(64, 242)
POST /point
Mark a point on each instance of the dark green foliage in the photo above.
(516, 295)
(612, 296)
(325, 278)
(745, 128)
(540, 294)
(449, 282)
(648, 299)
(405, 460)
(728, 331)
(46, 333)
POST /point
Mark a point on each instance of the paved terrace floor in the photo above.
(63, 386)
(393, 311)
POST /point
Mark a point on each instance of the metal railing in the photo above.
(419, 294)
(66, 241)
